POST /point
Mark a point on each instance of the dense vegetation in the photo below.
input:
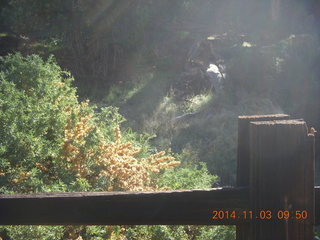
(179, 72)
(50, 142)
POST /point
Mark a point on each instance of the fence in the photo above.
(274, 198)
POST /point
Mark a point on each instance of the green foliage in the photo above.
(33, 232)
(39, 18)
(39, 115)
(186, 176)
(317, 231)
(37, 100)
(40, 119)
(157, 232)
(217, 232)
(189, 177)
(198, 102)
(181, 232)
(33, 96)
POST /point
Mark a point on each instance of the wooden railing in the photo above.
(274, 199)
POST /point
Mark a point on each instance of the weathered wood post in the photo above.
(243, 164)
(281, 180)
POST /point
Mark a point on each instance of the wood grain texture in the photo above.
(243, 164)
(281, 178)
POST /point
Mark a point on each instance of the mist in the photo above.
(145, 95)
(183, 71)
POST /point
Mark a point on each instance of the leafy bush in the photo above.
(188, 178)
(35, 96)
(51, 142)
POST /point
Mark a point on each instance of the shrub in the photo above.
(51, 142)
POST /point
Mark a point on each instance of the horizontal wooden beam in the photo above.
(192, 207)
(189, 207)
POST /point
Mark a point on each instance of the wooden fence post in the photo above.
(281, 181)
(243, 164)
